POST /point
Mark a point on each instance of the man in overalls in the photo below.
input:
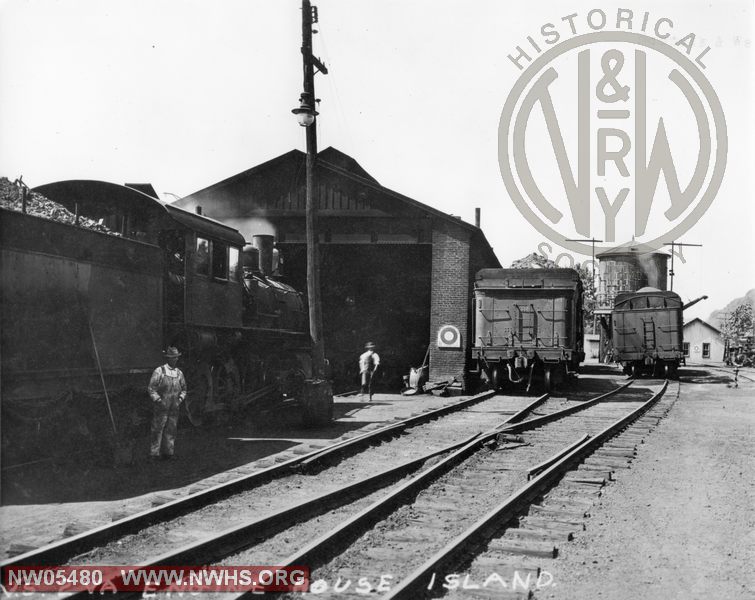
(167, 388)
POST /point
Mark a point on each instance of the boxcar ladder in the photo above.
(649, 333)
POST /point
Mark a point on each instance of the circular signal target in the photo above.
(449, 337)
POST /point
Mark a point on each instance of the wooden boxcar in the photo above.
(528, 325)
(647, 328)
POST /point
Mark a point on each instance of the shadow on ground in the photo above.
(700, 375)
(86, 472)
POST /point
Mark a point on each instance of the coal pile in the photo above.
(39, 206)
(534, 261)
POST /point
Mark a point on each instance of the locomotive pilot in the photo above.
(167, 388)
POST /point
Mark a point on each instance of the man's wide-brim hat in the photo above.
(172, 352)
(369, 346)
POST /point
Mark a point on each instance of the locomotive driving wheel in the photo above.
(199, 393)
(225, 382)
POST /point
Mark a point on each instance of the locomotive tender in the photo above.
(528, 325)
(164, 276)
(647, 332)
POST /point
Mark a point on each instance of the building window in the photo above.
(686, 348)
(219, 260)
(706, 350)
(202, 259)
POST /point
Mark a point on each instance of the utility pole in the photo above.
(677, 245)
(307, 116)
(594, 287)
(593, 240)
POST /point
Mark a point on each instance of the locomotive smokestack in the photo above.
(477, 217)
(264, 243)
(251, 258)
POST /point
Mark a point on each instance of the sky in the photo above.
(182, 94)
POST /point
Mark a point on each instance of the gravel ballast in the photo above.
(680, 524)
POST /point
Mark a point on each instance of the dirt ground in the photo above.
(680, 524)
(51, 499)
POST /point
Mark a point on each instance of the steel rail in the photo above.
(313, 552)
(540, 467)
(60, 551)
(413, 585)
(538, 421)
(742, 374)
(239, 537)
(337, 448)
(519, 416)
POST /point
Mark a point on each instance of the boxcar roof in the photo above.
(644, 292)
(527, 278)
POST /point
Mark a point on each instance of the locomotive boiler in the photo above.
(528, 326)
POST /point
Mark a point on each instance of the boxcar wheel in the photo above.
(636, 370)
(660, 368)
(672, 371)
(548, 379)
(498, 375)
(199, 394)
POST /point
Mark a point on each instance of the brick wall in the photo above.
(451, 288)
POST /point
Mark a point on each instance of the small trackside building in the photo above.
(393, 270)
(703, 343)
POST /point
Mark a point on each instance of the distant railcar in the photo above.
(528, 326)
(646, 332)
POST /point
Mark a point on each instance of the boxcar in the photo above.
(528, 326)
(647, 330)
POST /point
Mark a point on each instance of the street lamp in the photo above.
(305, 114)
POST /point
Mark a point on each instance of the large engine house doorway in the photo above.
(378, 293)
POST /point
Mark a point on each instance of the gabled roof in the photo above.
(335, 162)
(336, 158)
(716, 329)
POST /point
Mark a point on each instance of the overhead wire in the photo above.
(331, 79)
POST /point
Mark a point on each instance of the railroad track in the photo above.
(744, 373)
(212, 547)
(399, 540)
(436, 424)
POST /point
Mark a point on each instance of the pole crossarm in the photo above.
(677, 245)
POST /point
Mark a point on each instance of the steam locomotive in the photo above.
(528, 326)
(89, 311)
